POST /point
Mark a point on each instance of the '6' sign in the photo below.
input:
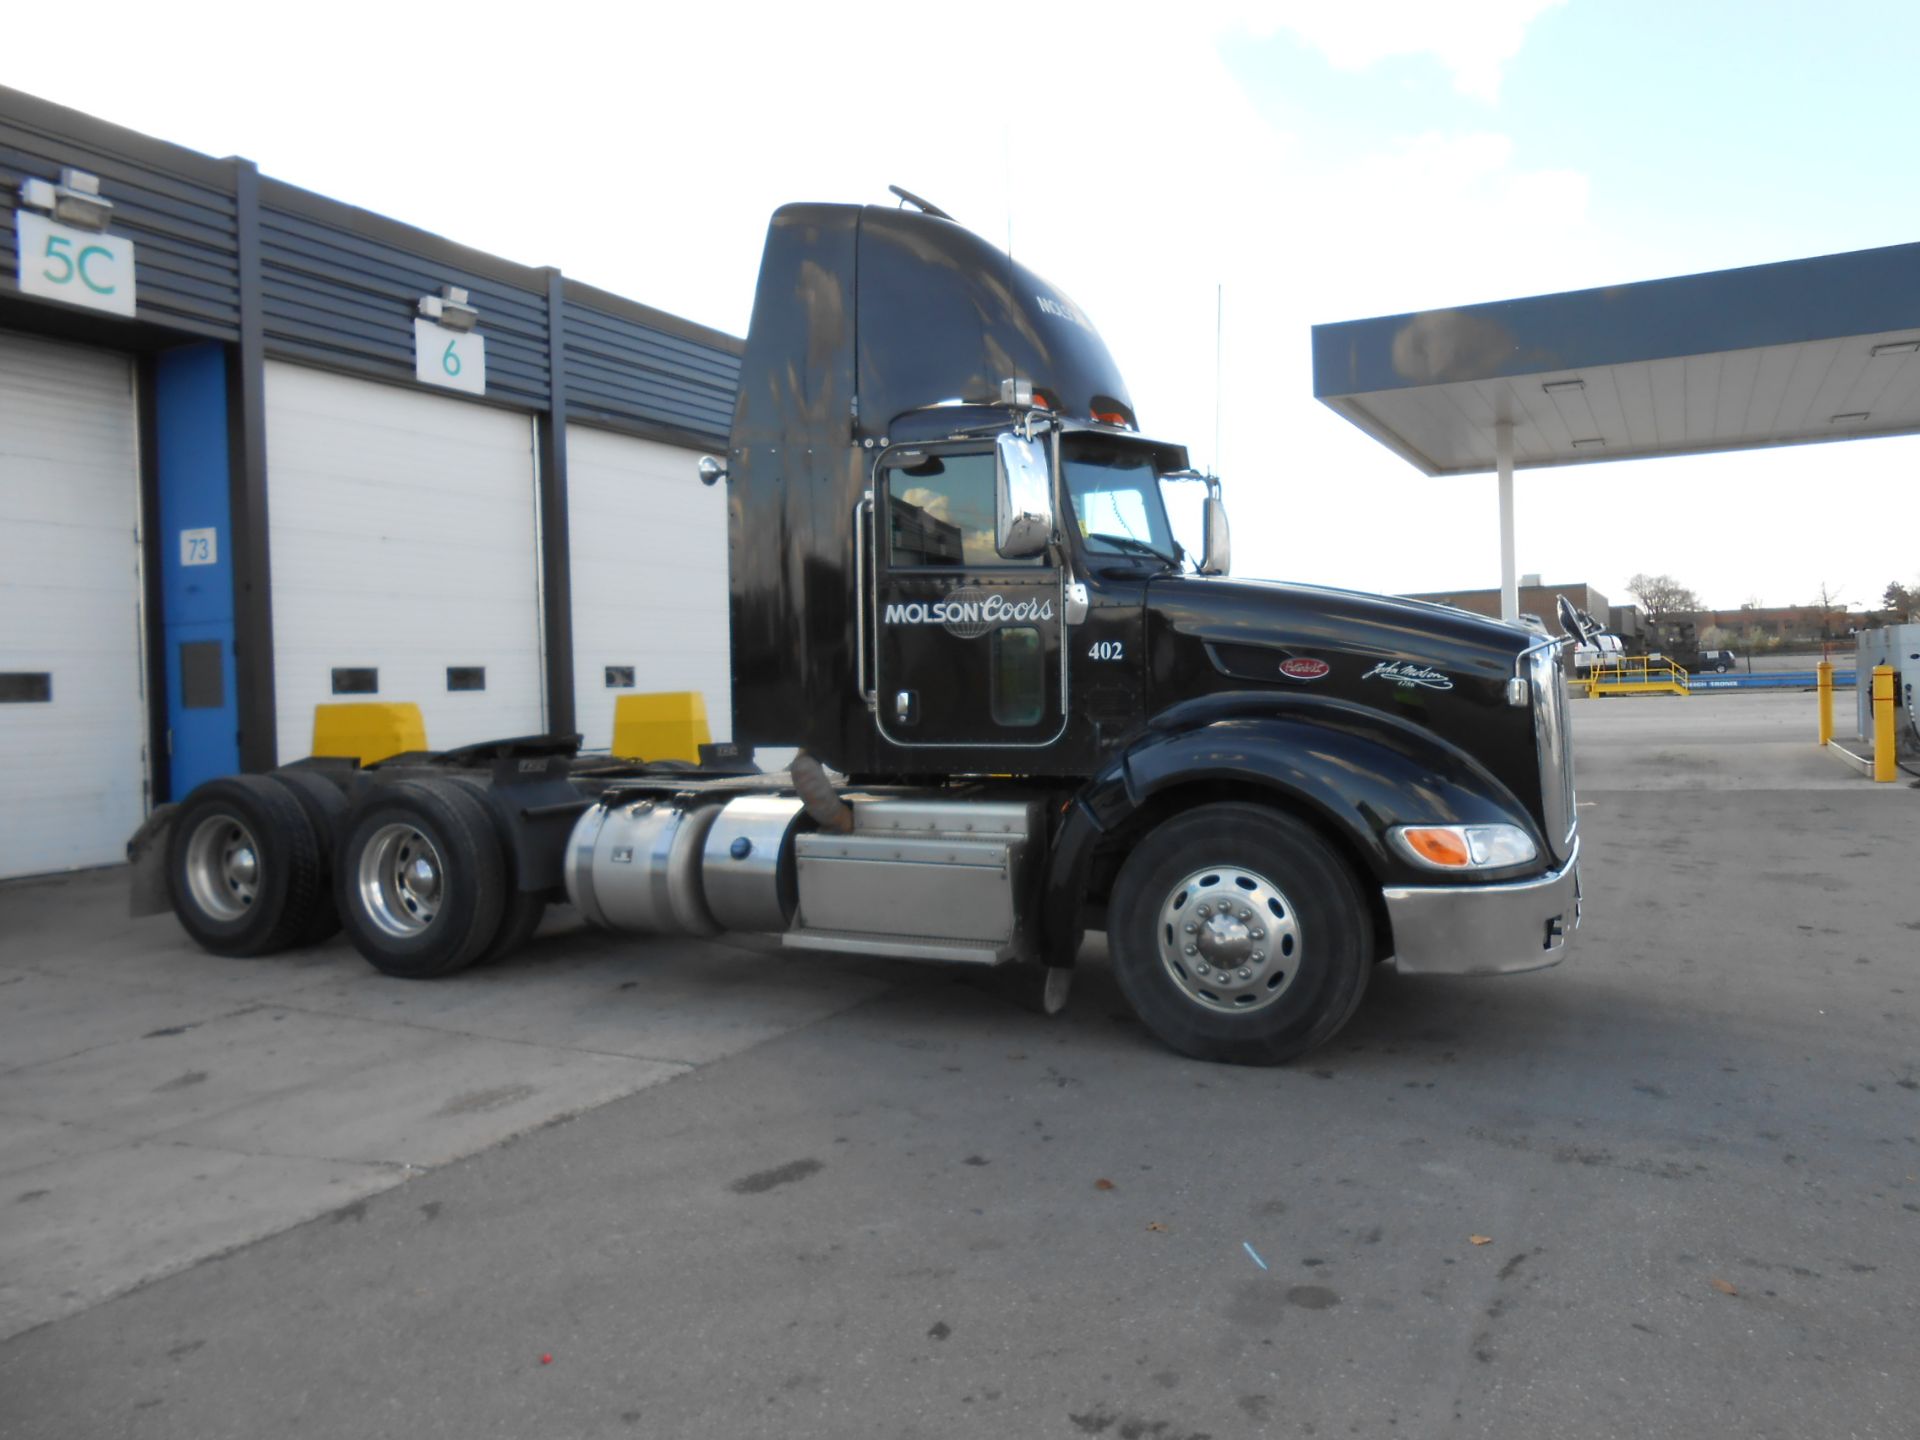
(80, 267)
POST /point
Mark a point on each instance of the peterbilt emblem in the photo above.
(1304, 667)
(1405, 672)
(970, 613)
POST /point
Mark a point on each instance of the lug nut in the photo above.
(1257, 934)
(1246, 974)
(1203, 912)
(1189, 927)
(1259, 956)
(1190, 950)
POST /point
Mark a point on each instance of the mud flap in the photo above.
(147, 851)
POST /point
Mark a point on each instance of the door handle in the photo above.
(906, 706)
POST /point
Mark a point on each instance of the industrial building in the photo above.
(1538, 601)
(260, 449)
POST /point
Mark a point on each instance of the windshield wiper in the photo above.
(1133, 546)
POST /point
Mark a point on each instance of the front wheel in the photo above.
(1239, 936)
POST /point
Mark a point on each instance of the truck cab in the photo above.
(953, 567)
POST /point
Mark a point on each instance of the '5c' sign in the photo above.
(79, 267)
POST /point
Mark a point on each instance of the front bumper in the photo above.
(1485, 929)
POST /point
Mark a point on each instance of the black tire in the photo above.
(1318, 913)
(326, 807)
(415, 923)
(243, 866)
(1719, 669)
(524, 909)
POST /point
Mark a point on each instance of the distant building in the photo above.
(1535, 599)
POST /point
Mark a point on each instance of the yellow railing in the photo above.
(1637, 675)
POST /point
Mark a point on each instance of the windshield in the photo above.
(1116, 499)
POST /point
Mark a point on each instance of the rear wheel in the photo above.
(523, 909)
(244, 866)
(421, 880)
(522, 916)
(1237, 935)
(325, 805)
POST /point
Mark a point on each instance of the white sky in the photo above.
(1323, 161)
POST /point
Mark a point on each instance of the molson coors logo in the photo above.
(970, 613)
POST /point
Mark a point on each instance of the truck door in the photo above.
(967, 643)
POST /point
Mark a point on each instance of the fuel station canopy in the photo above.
(1782, 354)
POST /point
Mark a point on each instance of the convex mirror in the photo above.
(1023, 497)
(1216, 556)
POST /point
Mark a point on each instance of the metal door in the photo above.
(405, 557)
(73, 718)
(649, 560)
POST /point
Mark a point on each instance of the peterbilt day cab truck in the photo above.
(1022, 713)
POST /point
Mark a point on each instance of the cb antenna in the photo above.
(1219, 314)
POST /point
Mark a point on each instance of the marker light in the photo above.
(1464, 847)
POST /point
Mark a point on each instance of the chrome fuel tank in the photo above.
(685, 866)
(635, 865)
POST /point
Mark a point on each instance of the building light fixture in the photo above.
(1849, 417)
(450, 308)
(1896, 347)
(75, 200)
(1556, 387)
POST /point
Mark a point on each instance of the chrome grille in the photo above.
(1553, 746)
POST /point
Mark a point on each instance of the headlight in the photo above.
(1464, 847)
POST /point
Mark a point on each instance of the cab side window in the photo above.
(940, 514)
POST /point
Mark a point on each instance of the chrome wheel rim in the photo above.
(401, 880)
(223, 867)
(1229, 939)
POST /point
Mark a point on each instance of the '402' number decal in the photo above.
(1106, 650)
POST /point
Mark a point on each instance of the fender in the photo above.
(1357, 771)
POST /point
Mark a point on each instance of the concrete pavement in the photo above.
(1693, 1151)
(159, 1105)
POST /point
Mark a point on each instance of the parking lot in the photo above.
(692, 1190)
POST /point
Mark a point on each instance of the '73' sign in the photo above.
(80, 267)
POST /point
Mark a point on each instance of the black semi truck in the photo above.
(1022, 712)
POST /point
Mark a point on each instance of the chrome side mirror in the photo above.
(1216, 539)
(712, 471)
(1023, 497)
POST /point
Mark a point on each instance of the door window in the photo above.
(940, 514)
(1018, 679)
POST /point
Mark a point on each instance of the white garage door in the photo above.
(404, 543)
(649, 548)
(72, 710)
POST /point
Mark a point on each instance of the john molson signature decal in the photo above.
(1405, 672)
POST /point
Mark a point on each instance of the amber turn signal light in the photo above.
(1438, 845)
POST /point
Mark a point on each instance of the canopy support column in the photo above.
(1509, 575)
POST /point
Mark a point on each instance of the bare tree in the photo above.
(1662, 596)
(1829, 600)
